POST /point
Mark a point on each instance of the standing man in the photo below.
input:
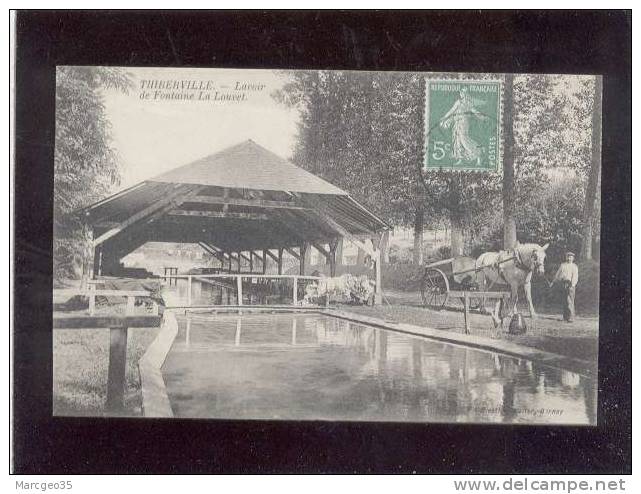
(568, 276)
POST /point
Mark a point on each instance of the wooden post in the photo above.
(131, 302)
(294, 331)
(338, 256)
(264, 261)
(239, 287)
(239, 326)
(466, 311)
(332, 257)
(295, 298)
(507, 298)
(97, 261)
(251, 261)
(378, 295)
(280, 260)
(189, 291)
(92, 300)
(188, 333)
(117, 368)
(303, 251)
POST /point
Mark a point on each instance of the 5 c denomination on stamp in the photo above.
(462, 125)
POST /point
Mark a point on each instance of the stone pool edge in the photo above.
(155, 401)
(551, 359)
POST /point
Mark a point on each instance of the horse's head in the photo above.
(537, 259)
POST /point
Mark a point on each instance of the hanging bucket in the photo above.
(517, 324)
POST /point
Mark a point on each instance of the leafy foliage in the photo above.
(361, 131)
(364, 132)
(86, 167)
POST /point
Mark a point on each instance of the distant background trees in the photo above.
(364, 131)
(86, 167)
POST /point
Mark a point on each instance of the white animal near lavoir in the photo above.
(359, 289)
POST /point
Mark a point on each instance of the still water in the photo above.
(316, 367)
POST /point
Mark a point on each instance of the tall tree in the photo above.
(509, 186)
(361, 131)
(592, 187)
(419, 227)
(86, 166)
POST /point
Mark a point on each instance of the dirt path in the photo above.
(578, 339)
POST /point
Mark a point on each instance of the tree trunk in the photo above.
(456, 234)
(419, 221)
(385, 247)
(595, 171)
(509, 192)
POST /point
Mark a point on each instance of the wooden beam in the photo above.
(256, 203)
(323, 215)
(269, 253)
(225, 196)
(253, 254)
(217, 253)
(321, 249)
(292, 252)
(149, 210)
(343, 232)
(102, 322)
(215, 248)
(299, 229)
(218, 214)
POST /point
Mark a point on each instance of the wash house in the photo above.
(244, 205)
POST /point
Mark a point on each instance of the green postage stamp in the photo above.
(462, 125)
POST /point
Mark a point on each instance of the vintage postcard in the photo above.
(326, 245)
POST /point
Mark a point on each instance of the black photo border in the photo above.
(586, 42)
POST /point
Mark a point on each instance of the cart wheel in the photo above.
(434, 288)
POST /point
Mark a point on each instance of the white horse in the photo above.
(513, 268)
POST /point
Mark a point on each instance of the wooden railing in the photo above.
(118, 325)
(130, 295)
(238, 283)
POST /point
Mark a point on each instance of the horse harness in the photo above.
(497, 265)
(519, 264)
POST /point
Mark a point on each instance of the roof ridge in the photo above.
(250, 165)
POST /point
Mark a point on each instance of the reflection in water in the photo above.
(317, 367)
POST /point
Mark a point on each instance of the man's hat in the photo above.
(569, 253)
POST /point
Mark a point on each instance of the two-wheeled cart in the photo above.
(456, 277)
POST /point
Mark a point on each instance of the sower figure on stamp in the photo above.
(568, 276)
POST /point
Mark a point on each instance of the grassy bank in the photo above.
(80, 363)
